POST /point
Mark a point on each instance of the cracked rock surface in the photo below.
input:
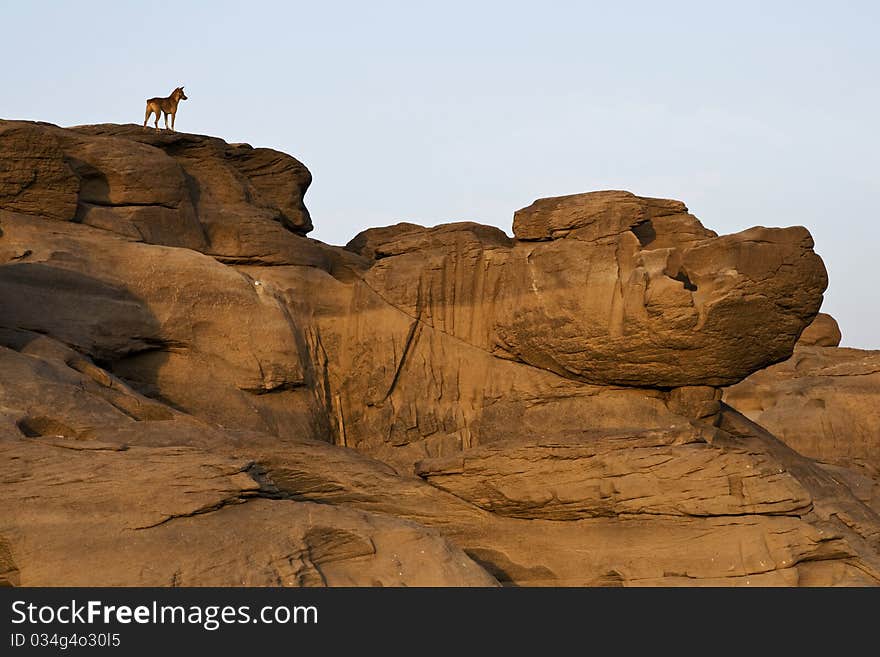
(196, 393)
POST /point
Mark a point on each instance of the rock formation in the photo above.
(824, 401)
(823, 331)
(444, 406)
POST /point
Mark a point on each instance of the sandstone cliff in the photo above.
(197, 393)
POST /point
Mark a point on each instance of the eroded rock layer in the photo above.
(824, 401)
(192, 383)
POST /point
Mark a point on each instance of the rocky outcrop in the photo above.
(664, 473)
(187, 373)
(824, 401)
(618, 287)
(823, 331)
(144, 503)
(34, 178)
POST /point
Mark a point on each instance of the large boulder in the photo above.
(100, 482)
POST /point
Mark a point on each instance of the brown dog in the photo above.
(164, 106)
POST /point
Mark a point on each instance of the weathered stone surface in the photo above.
(378, 243)
(698, 402)
(403, 389)
(181, 517)
(229, 200)
(34, 177)
(600, 217)
(433, 322)
(201, 497)
(95, 476)
(823, 401)
(619, 313)
(822, 332)
(229, 178)
(132, 189)
(608, 306)
(186, 373)
(861, 478)
(788, 544)
(670, 472)
(175, 323)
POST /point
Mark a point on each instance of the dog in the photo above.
(164, 106)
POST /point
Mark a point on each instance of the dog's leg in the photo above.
(172, 121)
(166, 120)
(147, 115)
(157, 120)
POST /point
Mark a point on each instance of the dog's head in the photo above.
(179, 93)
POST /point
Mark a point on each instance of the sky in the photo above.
(752, 113)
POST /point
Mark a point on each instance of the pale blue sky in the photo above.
(753, 113)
